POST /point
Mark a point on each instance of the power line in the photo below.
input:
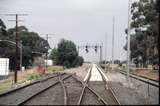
(17, 42)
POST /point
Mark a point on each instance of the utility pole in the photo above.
(101, 46)
(17, 43)
(128, 41)
(105, 50)
(20, 55)
(47, 37)
(113, 43)
(78, 50)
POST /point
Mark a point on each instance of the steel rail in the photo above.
(64, 90)
(81, 96)
(34, 95)
(141, 76)
(145, 80)
(108, 87)
(27, 85)
(85, 85)
(137, 75)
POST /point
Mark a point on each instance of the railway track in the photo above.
(53, 94)
(101, 89)
(23, 94)
(62, 89)
(152, 82)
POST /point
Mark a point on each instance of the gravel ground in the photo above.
(127, 96)
(99, 87)
(137, 94)
(54, 95)
(73, 91)
(16, 97)
(80, 71)
(90, 99)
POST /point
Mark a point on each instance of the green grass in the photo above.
(34, 76)
(5, 85)
(27, 75)
(55, 68)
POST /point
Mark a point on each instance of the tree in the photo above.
(31, 42)
(145, 24)
(117, 61)
(66, 54)
(54, 56)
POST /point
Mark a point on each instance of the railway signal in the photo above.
(95, 49)
(87, 49)
(93, 46)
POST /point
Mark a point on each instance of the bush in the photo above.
(66, 64)
(34, 76)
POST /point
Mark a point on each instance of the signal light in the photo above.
(87, 49)
(95, 49)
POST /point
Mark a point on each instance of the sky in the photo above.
(82, 21)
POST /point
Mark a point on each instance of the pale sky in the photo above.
(82, 21)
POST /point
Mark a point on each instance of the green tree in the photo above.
(31, 42)
(54, 56)
(66, 54)
(145, 24)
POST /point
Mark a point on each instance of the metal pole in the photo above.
(128, 42)
(99, 54)
(148, 89)
(16, 58)
(78, 50)
(105, 50)
(102, 52)
(113, 43)
(47, 53)
(47, 36)
(20, 55)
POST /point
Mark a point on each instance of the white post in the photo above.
(105, 50)
(113, 43)
(128, 42)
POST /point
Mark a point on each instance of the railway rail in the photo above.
(23, 94)
(105, 96)
(61, 89)
(143, 79)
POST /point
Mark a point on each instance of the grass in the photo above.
(29, 74)
(34, 76)
(5, 85)
(52, 69)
